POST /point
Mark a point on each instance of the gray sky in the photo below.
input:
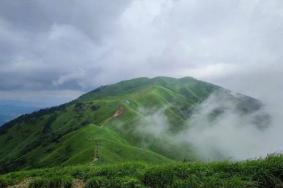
(55, 50)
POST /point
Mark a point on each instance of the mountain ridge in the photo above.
(56, 136)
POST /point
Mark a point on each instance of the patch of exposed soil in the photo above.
(78, 183)
(22, 184)
(118, 112)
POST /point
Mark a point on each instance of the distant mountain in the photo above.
(11, 109)
(101, 126)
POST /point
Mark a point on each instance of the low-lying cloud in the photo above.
(218, 130)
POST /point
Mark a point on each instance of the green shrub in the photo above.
(52, 182)
(191, 183)
(118, 182)
(126, 182)
(266, 179)
(159, 177)
(237, 182)
(127, 169)
(97, 182)
(182, 172)
(211, 182)
(3, 183)
(83, 174)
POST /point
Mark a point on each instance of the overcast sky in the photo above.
(55, 50)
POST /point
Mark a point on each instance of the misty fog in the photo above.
(231, 135)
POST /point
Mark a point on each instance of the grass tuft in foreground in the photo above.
(51, 182)
(262, 173)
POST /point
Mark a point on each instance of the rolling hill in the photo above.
(100, 127)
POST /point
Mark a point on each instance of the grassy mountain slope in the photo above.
(98, 127)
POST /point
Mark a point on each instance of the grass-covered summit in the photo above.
(101, 126)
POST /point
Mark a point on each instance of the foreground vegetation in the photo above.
(265, 173)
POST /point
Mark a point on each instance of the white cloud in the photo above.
(232, 135)
(89, 43)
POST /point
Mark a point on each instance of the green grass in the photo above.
(262, 173)
(51, 182)
(120, 182)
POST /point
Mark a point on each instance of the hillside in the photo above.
(101, 126)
